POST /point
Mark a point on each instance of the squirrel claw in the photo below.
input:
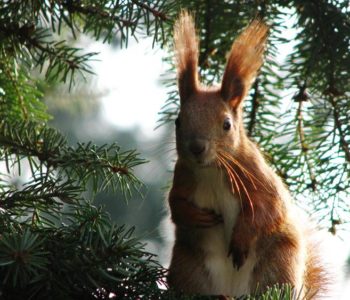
(187, 214)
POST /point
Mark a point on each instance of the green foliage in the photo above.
(47, 150)
(19, 96)
(54, 243)
(29, 38)
(277, 292)
(318, 158)
(86, 256)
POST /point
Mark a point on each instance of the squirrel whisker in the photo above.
(242, 183)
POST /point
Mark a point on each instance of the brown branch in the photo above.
(156, 13)
(52, 52)
(203, 58)
(304, 146)
(73, 7)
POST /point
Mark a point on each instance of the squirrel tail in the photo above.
(317, 280)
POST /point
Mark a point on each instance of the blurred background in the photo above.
(121, 103)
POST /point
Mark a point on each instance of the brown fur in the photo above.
(245, 59)
(186, 50)
(265, 221)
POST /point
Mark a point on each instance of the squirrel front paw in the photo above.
(185, 213)
(239, 255)
(206, 218)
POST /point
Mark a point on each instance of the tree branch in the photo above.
(304, 146)
(156, 13)
(100, 163)
(343, 143)
(14, 84)
(75, 7)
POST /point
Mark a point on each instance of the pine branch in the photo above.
(19, 95)
(156, 13)
(303, 144)
(63, 61)
(254, 109)
(109, 259)
(41, 191)
(338, 125)
(22, 255)
(203, 57)
(123, 17)
(25, 36)
(104, 166)
(94, 11)
(19, 98)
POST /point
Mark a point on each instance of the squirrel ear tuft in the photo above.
(186, 51)
(244, 61)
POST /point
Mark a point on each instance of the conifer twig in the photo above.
(338, 125)
(156, 13)
(255, 107)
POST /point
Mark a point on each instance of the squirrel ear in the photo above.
(186, 51)
(244, 61)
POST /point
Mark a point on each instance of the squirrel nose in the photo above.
(197, 146)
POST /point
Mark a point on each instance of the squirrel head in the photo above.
(210, 118)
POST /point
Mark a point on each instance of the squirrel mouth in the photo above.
(204, 163)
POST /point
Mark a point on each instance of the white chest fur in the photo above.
(214, 193)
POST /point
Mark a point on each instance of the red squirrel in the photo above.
(235, 229)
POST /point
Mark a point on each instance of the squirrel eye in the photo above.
(177, 122)
(227, 125)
